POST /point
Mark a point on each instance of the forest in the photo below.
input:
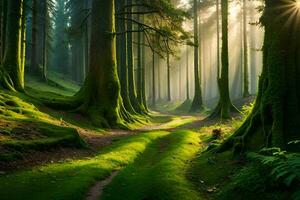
(150, 99)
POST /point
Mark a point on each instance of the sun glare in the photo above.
(291, 10)
(297, 4)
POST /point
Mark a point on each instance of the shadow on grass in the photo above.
(159, 173)
(72, 179)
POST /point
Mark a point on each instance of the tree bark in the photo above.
(144, 74)
(101, 92)
(12, 74)
(122, 54)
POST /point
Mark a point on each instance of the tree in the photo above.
(187, 75)
(100, 98)
(131, 78)
(122, 57)
(169, 77)
(218, 39)
(34, 38)
(12, 73)
(246, 92)
(153, 80)
(275, 118)
(75, 35)
(197, 101)
(224, 106)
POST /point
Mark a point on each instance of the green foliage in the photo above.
(246, 110)
(283, 168)
(249, 183)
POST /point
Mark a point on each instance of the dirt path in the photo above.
(97, 190)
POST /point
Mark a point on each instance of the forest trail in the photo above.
(164, 150)
(128, 180)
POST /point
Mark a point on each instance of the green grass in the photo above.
(177, 122)
(160, 172)
(72, 179)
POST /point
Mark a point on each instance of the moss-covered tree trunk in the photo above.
(144, 74)
(12, 73)
(197, 101)
(246, 92)
(131, 78)
(224, 106)
(140, 66)
(122, 55)
(102, 101)
(275, 119)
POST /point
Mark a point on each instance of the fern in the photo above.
(284, 167)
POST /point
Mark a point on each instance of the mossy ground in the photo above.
(27, 125)
(24, 127)
(172, 160)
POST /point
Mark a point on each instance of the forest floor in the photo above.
(48, 154)
(152, 162)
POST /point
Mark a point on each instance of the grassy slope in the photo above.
(23, 127)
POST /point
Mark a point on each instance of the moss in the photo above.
(161, 169)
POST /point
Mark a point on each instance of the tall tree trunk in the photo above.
(100, 96)
(245, 40)
(131, 80)
(187, 75)
(12, 76)
(23, 39)
(45, 39)
(144, 73)
(218, 40)
(139, 63)
(224, 106)
(153, 80)
(253, 53)
(275, 119)
(158, 80)
(34, 38)
(169, 77)
(197, 101)
(122, 54)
